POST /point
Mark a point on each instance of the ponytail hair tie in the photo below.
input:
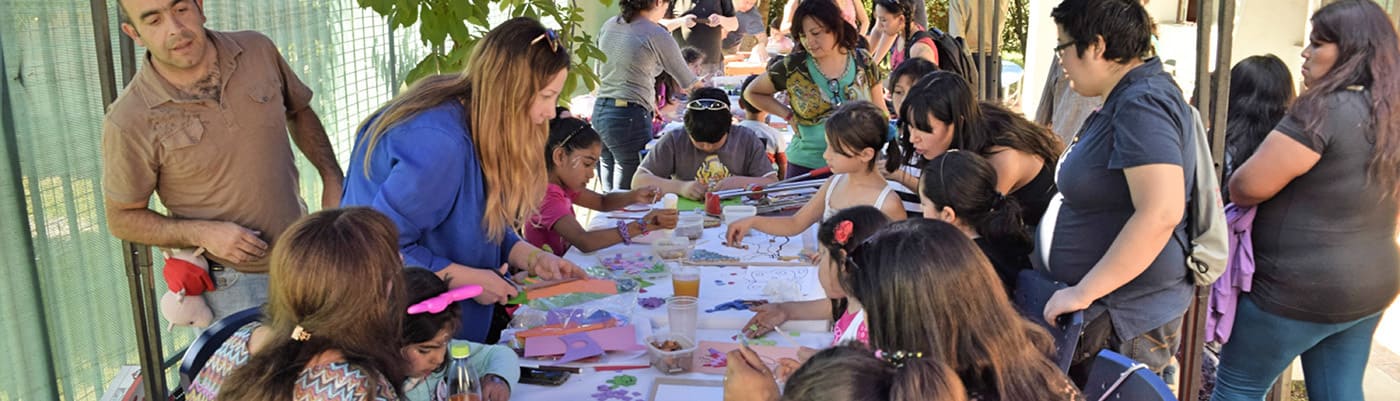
(843, 232)
(998, 201)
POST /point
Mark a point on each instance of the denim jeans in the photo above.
(625, 129)
(1263, 344)
(235, 291)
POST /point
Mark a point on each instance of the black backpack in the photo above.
(952, 55)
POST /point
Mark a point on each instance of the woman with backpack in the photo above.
(1324, 184)
(895, 18)
(1119, 233)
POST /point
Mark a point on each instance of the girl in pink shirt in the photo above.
(571, 154)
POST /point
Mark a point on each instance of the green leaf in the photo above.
(430, 65)
(406, 13)
(435, 25)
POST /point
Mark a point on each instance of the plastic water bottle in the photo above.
(463, 382)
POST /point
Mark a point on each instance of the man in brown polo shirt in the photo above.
(205, 125)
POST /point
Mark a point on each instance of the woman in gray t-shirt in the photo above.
(638, 49)
(1324, 183)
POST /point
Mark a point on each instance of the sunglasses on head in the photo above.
(707, 104)
(549, 36)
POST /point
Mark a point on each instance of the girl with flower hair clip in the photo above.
(838, 236)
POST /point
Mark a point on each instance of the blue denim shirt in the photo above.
(425, 176)
(1143, 121)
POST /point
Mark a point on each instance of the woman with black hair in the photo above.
(1324, 184)
(1261, 88)
(940, 113)
(895, 18)
(825, 70)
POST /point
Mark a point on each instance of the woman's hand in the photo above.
(737, 230)
(550, 267)
(768, 317)
(661, 219)
(747, 378)
(494, 289)
(1068, 300)
(644, 195)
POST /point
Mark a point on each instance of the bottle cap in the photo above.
(460, 350)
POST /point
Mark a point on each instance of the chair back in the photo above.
(1116, 377)
(210, 340)
(1033, 290)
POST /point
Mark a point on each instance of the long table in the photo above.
(718, 284)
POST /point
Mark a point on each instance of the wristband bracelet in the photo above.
(646, 227)
(622, 231)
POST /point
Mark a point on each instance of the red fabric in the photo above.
(181, 274)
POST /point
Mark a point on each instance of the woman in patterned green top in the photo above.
(336, 297)
(825, 70)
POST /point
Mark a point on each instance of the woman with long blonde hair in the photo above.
(335, 298)
(455, 162)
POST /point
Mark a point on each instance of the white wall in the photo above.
(1277, 27)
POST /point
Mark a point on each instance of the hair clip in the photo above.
(441, 301)
(898, 358)
(843, 232)
(300, 334)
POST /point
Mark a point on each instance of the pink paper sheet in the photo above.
(621, 338)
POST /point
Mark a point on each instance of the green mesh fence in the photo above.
(67, 324)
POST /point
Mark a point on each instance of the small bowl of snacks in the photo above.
(670, 353)
(671, 248)
(691, 225)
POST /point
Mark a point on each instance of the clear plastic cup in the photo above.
(683, 314)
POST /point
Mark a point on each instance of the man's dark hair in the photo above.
(709, 126)
(1125, 26)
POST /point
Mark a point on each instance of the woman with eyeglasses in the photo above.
(455, 162)
(1119, 233)
(1324, 185)
(713, 153)
(639, 49)
(825, 70)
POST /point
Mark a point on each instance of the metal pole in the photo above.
(1193, 324)
(994, 93)
(981, 52)
(137, 258)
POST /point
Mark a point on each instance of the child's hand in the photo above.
(713, 20)
(689, 21)
(694, 190)
(748, 378)
(768, 316)
(737, 230)
(661, 219)
(805, 353)
(495, 389)
(645, 195)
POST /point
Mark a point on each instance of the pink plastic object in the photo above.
(438, 303)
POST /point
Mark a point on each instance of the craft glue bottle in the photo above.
(670, 201)
(462, 381)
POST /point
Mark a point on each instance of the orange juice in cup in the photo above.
(686, 281)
